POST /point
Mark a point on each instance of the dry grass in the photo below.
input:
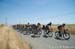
(9, 39)
(71, 28)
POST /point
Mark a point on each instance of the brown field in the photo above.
(10, 39)
(70, 27)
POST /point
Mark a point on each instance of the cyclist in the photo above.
(39, 26)
(44, 27)
(48, 26)
(28, 25)
(61, 29)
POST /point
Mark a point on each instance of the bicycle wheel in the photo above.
(66, 36)
(57, 35)
(50, 34)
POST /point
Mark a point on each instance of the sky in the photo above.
(34, 11)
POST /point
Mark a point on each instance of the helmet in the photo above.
(63, 24)
(50, 23)
(38, 24)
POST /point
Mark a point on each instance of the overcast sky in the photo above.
(34, 11)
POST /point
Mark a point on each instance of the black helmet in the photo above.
(38, 24)
(63, 24)
(50, 23)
